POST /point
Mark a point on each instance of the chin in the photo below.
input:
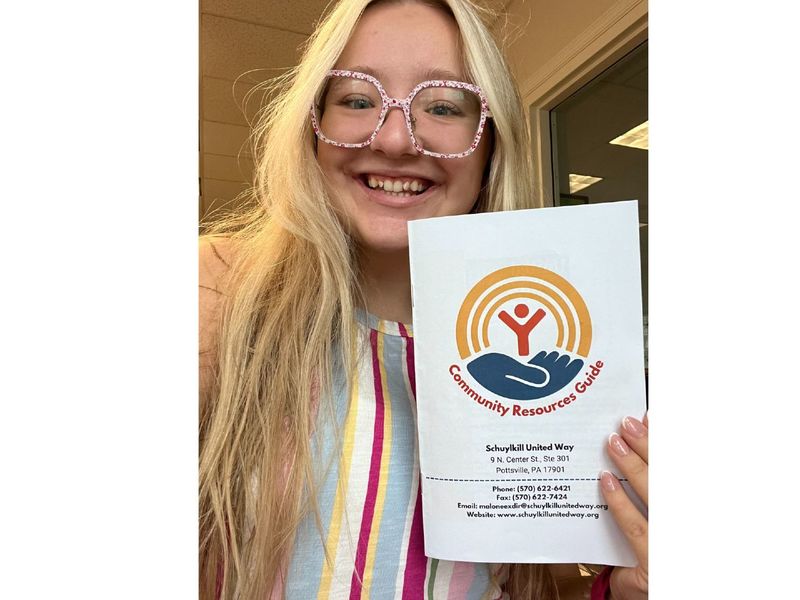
(383, 238)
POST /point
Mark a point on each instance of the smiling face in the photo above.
(401, 45)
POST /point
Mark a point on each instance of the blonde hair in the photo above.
(288, 313)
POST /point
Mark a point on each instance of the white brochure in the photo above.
(528, 343)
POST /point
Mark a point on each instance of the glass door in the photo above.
(599, 141)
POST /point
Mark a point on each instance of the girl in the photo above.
(306, 338)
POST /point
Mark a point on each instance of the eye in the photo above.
(357, 102)
(444, 109)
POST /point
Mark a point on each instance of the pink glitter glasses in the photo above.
(445, 119)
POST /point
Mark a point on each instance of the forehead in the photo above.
(403, 44)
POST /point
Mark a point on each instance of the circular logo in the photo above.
(523, 332)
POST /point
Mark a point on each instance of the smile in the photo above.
(380, 190)
(396, 186)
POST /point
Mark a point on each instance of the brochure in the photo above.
(529, 352)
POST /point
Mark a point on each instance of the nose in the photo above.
(393, 138)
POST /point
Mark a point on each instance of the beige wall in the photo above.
(551, 26)
(242, 43)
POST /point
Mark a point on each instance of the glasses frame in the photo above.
(405, 105)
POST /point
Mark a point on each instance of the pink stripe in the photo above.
(374, 474)
(416, 561)
(409, 359)
(602, 584)
(461, 580)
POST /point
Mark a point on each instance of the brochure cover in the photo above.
(528, 343)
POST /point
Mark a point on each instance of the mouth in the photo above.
(395, 187)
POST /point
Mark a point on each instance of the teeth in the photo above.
(397, 187)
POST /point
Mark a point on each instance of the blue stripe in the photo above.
(305, 570)
(480, 583)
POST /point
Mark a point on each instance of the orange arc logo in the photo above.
(523, 281)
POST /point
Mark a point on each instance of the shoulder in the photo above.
(215, 258)
(216, 255)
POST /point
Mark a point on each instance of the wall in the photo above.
(242, 43)
(551, 26)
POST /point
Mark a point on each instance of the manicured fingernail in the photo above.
(618, 445)
(608, 481)
(634, 427)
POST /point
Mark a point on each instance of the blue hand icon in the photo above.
(562, 370)
(543, 375)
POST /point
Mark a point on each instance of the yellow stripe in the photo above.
(332, 542)
(384, 475)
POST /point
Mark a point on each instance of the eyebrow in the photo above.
(426, 75)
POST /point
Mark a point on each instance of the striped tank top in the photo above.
(370, 500)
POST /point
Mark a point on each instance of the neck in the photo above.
(386, 283)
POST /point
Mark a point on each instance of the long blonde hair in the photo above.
(288, 313)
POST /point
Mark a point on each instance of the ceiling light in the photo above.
(635, 138)
(579, 182)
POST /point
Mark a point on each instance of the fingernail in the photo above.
(608, 481)
(617, 444)
(634, 427)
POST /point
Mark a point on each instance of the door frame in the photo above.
(615, 33)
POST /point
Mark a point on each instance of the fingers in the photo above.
(636, 434)
(629, 583)
(631, 522)
(629, 452)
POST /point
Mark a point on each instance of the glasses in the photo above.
(445, 119)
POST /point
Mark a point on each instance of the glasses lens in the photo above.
(445, 120)
(347, 109)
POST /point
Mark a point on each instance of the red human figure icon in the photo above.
(523, 330)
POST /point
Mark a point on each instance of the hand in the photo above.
(562, 369)
(628, 450)
(541, 376)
